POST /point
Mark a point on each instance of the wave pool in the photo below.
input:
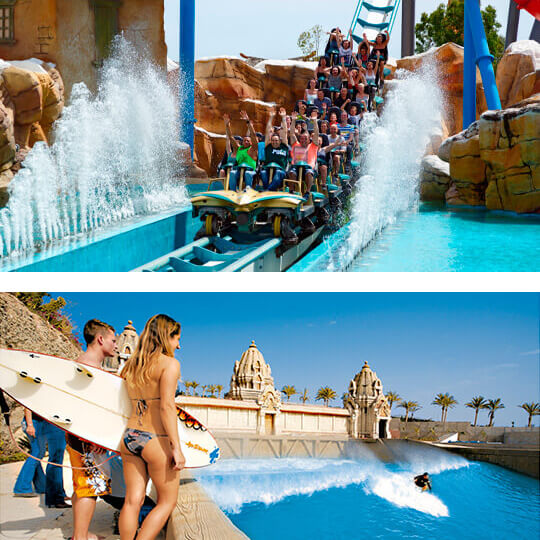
(297, 498)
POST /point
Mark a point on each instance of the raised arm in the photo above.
(269, 127)
(339, 142)
(254, 149)
(230, 142)
(293, 129)
(167, 387)
(314, 118)
(283, 131)
(387, 38)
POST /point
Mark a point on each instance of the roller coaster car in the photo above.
(284, 214)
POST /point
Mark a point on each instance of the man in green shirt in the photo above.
(245, 154)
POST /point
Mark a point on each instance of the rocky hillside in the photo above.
(495, 163)
(22, 329)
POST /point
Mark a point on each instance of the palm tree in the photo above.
(187, 384)
(413, 409)
(305, 396)
(445, 401)
(289, 391)
(492, 406)
(392, 397)
(212, 390)
(532, 409)
(326, 394)
(194, 385)
(219, 389)
(476, 403)
(204, 388)
(409, 406)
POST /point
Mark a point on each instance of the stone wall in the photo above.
(63, 32)
(517, 436)
(244, 417)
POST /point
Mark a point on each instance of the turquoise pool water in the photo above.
(346, 499)
(435, 239)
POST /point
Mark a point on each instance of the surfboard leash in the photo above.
(7, 412)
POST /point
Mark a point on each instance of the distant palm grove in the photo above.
(326, 394)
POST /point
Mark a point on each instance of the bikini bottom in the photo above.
(135, 440)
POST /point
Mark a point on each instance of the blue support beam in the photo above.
(469, 76)
(186, 72)
(477, 51)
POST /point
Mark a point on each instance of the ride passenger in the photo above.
(276, 151)
(323, 157)
(343, 99)
(349, 133)
(346, 53)
(321, 100)
(338, 151)
(363, 53)
(332, 47)
(150, 445)
(335, 81)
(303, 150)
(311, 93)
(371, 80)
(355, 114)
(380, 51)
(245, 154)
(321, 72)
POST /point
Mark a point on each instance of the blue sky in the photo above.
(419, 343)
(271, 29)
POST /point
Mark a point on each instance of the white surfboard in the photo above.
(89, 402)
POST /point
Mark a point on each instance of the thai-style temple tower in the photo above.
(369, 409)
(252, 381)
(125, 344)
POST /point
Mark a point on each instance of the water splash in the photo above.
(115, 156)
(235, 483)
(395, 144)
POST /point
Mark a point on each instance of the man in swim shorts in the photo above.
(90, 478)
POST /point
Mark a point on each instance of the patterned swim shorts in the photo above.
(92, 481)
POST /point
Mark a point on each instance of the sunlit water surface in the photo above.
(333, 499)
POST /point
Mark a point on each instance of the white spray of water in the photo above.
(115, 156)
(395, 144)
(235, 483)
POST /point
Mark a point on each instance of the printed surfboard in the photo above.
(89, 402)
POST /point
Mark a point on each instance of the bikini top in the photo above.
(142, 406)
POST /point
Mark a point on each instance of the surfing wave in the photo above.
(236, 483)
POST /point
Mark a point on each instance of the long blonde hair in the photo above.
(153, 342)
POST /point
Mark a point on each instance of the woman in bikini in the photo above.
(150, 444)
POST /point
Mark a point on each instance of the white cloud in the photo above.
(530, 353)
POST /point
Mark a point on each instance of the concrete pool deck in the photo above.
(195, 516)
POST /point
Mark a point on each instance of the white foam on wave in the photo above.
(235, 483)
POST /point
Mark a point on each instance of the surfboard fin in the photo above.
(81, 369)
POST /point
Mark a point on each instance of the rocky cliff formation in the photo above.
(22, 329)
(31, 99)
(496, 162)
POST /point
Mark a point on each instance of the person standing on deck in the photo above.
(89, 479)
